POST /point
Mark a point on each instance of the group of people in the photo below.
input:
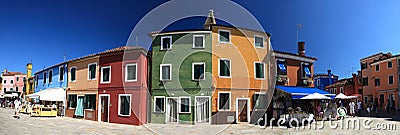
(373, 106)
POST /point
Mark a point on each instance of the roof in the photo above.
(241, 28)
(299, 92)
(341, 82)
(317, 75)
(374, 55)
(12, 73)
(118, 49)
(293, 54)
(156, 33)
(52, 66)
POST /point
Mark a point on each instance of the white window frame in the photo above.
(119, 104)
(74, 67)
(263, 39)
(388, 65)
(162, 43)
(389, 79)
(194, 43)
(101, 74)
(376, 68)
(255, 72)
(335, 90)
(126, 72)
(230, 68)
(155, 103)
(219, 36)
(341, 90)
(378, 81)
(230, 101)
(59, 73)
(48, 75)
(204, 67)
(95, 76)
(180, 103)
(170, 72)
(318, 82)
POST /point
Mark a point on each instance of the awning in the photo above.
(316, 96)
(341, 96)
(11, 95)
(299, 92)
(50, 94)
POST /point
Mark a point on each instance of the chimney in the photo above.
(210, 20)
(301, 48)
(330, 76)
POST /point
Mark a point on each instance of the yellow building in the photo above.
(29, 81)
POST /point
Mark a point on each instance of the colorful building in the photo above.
(12, 82)
(29, 81)
(322, 80)
(50, 86)
(380, 78)
(122, 86)
(214, 75)
(349, 86)
(82, 88)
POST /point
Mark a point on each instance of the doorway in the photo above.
(172, 110)
(104, 104)
(202, 109)
(242, 110)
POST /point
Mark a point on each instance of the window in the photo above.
(124, 104)
(37, 79)
(72, 99)
(5, 81)
(363, 66)
(198, 41)
(365, 81)
(17, 79)
(259, 41)
(12, 81)
(390, 64)
(130, 72)
(166, 43)
(318, 82)
(377, 82)
(50, 76)
(73, 74)
(90, 101)
(105, 74)
(306, 72)
(259, 70)
(365, 99)
(16, 88)
(198, 71)
(5, 89)
(391, 79)
(377, 68)
(224, 68)
(165, 72)
(224, 101)
(224, 36)
(398, 62)
(61, 73)
(92, 71)
(11, 89)
(260, 101)
(335, 90)
(341, 90)
(159, 103)
(184, 105)
(281, 67)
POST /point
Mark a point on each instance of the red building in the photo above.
(349, 86)
(123, 86)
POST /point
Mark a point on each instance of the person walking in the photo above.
(17, 104)
(359, 108)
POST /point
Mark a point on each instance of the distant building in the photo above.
(12, 82)
(322, 80)
(29, 80)
(380, 78)
(349, 86)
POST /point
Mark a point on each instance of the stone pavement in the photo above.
(63, 125)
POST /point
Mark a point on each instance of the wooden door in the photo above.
(104, 108)
(242, 110)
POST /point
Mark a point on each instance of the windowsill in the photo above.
(130, 80)
(198, 80)
(224, 42)
(158, 112)
(91, 79)
(124, 115)
(185, 112)
(259, 78)
(224, 110)
(258, 47)
(72, 81)
(198, 48)
(105, 82)
(224, 76)
(89, 109)
(72, 108)
(165, 80)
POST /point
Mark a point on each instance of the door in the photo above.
(172, 110)
(104, 108)
(202, 109)
(79, 106)
(242, 110)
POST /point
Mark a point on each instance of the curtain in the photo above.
(202, 110)
(172, 110)
(79, 107)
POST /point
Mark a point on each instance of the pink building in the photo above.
(13, 82)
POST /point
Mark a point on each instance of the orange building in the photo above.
(349, 86)
(380, 74)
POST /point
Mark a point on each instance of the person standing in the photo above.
(352, 106)
(359, 108)
(17, 104)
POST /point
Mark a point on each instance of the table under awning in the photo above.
(300, 92)
(50, 94)
(11, 95)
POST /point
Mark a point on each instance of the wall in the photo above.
(55, 78)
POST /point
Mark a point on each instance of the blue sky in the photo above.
(338, 33)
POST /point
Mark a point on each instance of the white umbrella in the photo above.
(315, 96)
(341, 96)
